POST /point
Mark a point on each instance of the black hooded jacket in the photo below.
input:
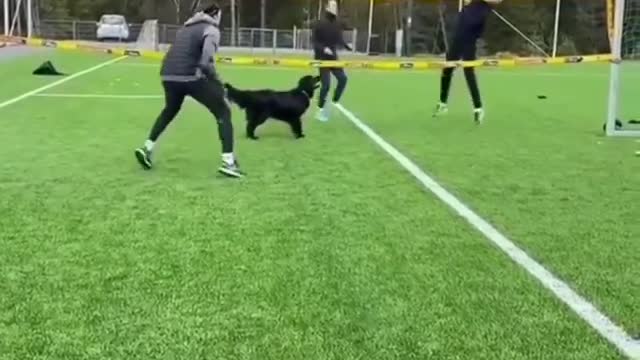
(472, 20)
(327, 33)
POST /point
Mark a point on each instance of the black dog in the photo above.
(288, 106)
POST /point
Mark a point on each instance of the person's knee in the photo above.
(342, 80)
(219, 109)
(171, 110)
(469, 72)
(325, 84)
(223, 115)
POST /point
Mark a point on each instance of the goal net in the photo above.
(532, 28)
(623, 117)
(148, 37)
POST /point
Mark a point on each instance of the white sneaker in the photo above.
(322, 114)
(441, 109)
(478, 116)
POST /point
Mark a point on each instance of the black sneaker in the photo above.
(231, 170)
(144, 158)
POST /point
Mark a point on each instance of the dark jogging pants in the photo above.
(325, 81)
(209, 93)
(463, 48)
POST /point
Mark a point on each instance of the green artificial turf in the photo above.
(328, 249)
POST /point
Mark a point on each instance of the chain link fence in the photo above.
(522, 29)
(250, 39)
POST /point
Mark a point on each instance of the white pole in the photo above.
(29, 19)
(275, 40)
(15, 17)
(460, 5)
(354, 40)
(295, 37)
(444, 28)
(614, 81)
(370, 26)
(233, 23)
(6, 17)
(555, 29)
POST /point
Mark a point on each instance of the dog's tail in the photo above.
(236, 96)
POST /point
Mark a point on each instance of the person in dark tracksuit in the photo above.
(188, 69)
(327, 37)
(470, 27)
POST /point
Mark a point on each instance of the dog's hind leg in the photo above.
(251, 130)
(296, 127)
(254, 119)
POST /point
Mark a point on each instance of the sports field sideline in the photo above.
(330, 248)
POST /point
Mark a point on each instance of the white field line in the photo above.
(61, 81)
(583, 308)
(141, 64)
(100, 96)
(105, 96)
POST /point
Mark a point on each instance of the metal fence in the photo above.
(246, 38)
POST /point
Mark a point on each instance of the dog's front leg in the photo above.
(296, 127)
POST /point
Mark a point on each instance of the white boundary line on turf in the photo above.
(100, 96)
(583, 308)
(61, 81)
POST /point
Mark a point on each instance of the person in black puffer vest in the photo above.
(470, 27)
(327, 38)
(188, 69)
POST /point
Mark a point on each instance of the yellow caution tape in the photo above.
(306, 63)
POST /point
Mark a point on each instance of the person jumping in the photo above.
(470, 27)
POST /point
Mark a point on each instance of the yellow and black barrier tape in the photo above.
(306, 63)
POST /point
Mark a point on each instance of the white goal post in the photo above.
(5, 13)
(148, 37)
(624, 46)
(15, 11)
